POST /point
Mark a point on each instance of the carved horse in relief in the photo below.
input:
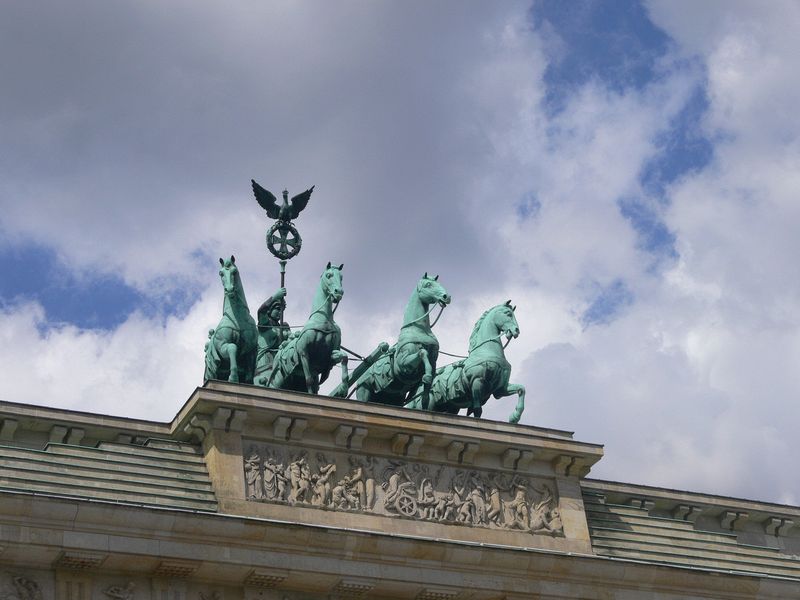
(411, 362)
(305, 360)
(485, 372)
(231, 348)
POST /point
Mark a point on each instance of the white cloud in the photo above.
(423, 131)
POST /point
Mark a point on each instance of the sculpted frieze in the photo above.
(21, 588)
(400, 489)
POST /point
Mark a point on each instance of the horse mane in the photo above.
(473, 338)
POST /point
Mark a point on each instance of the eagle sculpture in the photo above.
(285, 212)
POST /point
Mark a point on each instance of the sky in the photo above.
(626, 172)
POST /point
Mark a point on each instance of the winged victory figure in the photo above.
(287, 211)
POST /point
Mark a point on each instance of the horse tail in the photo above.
(212, 356)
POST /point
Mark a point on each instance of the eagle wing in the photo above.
(267, 200)
(300, 201)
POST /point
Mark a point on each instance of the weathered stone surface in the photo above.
(100, 518)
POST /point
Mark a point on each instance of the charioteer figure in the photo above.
(272, 331)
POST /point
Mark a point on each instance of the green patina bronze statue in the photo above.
(405, 374)
(283, 239)
(411, 362)
(468, 383)
(230, 352)
(272, 331)
(305, 360)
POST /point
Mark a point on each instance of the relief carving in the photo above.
(23, 589)
(119, 592)
(401, 489)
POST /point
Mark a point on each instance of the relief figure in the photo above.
(253, 475)
(274, 480)
(518, 508)
(321, 483)
(300, 480)
(344, 497)
(363, 481)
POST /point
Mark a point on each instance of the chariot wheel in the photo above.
(283, 240)
(406, 505)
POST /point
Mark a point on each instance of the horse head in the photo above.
(431, 291)
(331, 283)
(505, 321)
(493, 324)
(229, 273)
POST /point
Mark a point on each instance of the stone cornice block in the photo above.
(219, 420)
(297, 429)
(353, 587)
(280, 427)
(525, 460)
(57, 434)
(75, 435)
(777, 526)
(437, 593)
(470, 450)
(733, 520)
(357, 439)
(237, 421)
(771, 525)
(288, 428)
(265, 578)
(227, 419)
(199, 426)
(341, 436)
(407, 445)
(561, 464)
(79, 560)
(8, 429)
(686, 512)
(176, 569)
(509, 458)
(349, 437)
(642, 503)
(454, 450)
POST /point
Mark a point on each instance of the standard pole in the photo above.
(283, 285)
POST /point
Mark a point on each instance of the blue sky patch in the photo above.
(614, 42)
(34, 272)
(683, 147)
(528, 206)
(616, 45)
(607, 304)
(653, 234)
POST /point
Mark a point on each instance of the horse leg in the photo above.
(312, 384)
(249, 367)
(477, 397)
(230, 350)
(519, 390)
(427, 379)
(276, 378)
(341, 357)
(363, 393)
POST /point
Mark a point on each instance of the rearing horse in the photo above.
(305, 360)
(233, 342)
(412, 360)
(468, 383)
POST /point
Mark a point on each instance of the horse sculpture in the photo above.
(468, 383)
(411, 362)
(305, 360)
(231, 347)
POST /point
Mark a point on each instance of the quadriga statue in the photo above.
(231, 349)
(411, 362)
(305, 360)
(485, 372)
